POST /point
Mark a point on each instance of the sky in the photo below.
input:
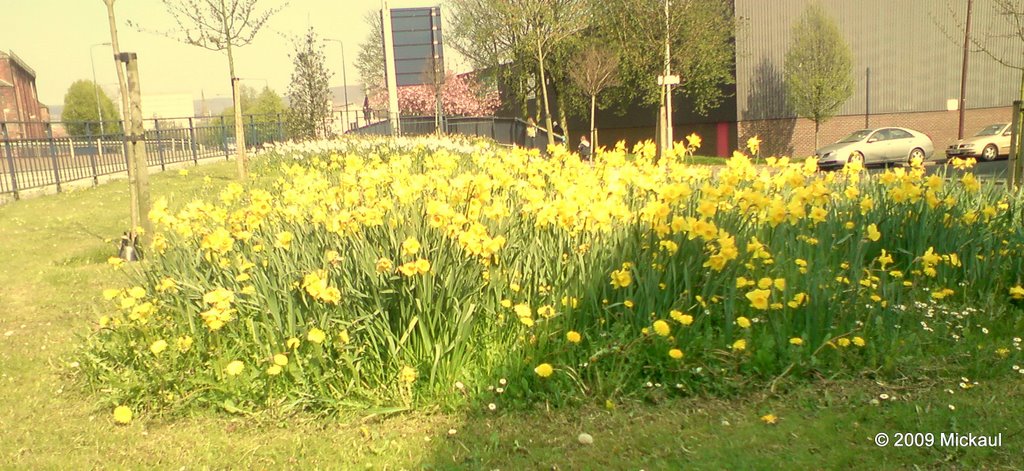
(54, 37)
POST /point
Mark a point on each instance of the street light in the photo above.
(344, 78)
(96, 87)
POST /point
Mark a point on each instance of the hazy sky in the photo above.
(54, 38)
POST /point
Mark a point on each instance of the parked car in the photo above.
(990, 143)
(876, 146)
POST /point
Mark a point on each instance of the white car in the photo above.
(990, 143)
(876, 146)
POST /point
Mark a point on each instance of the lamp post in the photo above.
(96, 87)
(344, 78)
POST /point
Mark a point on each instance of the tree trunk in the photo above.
(131, 167)
(817, 124)
(544, 90)
(562, 116)
(593, 127)
(243, 173)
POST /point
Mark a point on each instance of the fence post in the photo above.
(159, 145)
(192, 141)
(92, 155)
(53, 155)
(224, 138)
(252, 132)
(10, 160)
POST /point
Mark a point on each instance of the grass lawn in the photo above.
(55, 250)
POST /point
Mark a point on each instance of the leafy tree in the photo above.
(700, 34)
(81, 116)
(594, 70)
(370, 60)
(309, 94)
(819, 67)
(220, 25)
(261, 110)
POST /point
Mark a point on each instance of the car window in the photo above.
(856, 136)
(991, 130)
(899, 134)
(880, 135)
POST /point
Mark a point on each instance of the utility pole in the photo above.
(136, 138)
(96, 87)
(867, 98)
(963, 72)
(389, 66)
(344, 81)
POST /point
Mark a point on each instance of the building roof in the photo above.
(17, 60)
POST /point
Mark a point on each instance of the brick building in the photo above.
(20, 108)
(906, 72)
(907, 59)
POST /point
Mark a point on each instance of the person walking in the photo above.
(559, 132)
(531, 133)
(584, 149)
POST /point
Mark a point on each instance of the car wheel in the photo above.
(855, 157)
(989, 153)
(917, 153)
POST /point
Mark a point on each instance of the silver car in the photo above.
(988, 144)
(876, 146)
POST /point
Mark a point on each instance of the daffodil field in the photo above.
(371, 272)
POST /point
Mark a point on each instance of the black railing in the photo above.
(38, 155)
(507, 131)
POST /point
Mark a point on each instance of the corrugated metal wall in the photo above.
(915, 65)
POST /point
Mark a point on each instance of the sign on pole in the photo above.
(413, 52)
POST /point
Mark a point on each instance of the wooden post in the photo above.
(192, 141)
(159, 145)
(137, 144)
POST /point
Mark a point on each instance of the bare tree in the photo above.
(221, 25)
(594, 70)
(519, 28)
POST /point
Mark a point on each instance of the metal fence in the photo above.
(507, 131)
(67, 152)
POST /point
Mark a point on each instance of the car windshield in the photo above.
(991, 130)
(856, 136)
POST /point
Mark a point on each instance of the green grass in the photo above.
(54, 251)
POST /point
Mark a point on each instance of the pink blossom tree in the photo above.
(461, 95)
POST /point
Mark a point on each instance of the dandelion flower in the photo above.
(274, 370)
(769, 419)
(407, 375)
(796, 341)
(293, 343)
(234, 368)
(739, 345)
(743, 322)
(661, 328)
(280, 359)
(858, 341)
(676, 354)
(573, 337)
(843, 342)
(544, 370)
(122, 415)
(158, 347)
(316, 335)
